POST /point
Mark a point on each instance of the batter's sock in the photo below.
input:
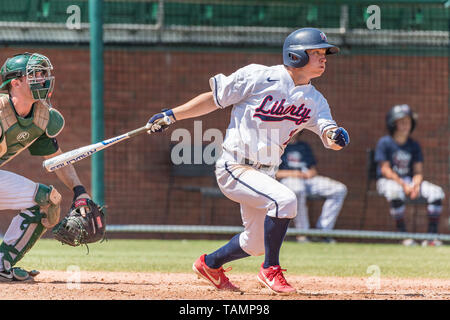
(274, 231)
(229, 252)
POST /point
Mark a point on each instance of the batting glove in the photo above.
(160, 121)
(339, 136)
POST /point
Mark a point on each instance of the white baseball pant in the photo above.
(391, 190)
(16, 193)
(259, 194)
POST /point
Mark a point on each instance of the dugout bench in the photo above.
(371, 177)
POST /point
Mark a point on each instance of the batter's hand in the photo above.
(160, 121)
(339, 136)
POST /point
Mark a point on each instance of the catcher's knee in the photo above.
(49, 201)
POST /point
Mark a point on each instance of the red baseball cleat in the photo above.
(216, 277)
(273, 279)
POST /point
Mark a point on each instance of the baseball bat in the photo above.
(69, 157)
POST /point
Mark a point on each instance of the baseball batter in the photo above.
(270, 105)
(27, 121)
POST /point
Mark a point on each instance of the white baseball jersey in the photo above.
(268, 109)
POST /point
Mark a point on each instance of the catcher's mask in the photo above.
(398, 112)
(37, 70)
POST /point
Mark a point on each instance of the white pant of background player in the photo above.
(333, 191)
(391, 190)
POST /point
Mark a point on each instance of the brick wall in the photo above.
(138, 83)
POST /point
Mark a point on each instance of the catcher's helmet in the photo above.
(398, 112)
(28, 64)
(295, 44)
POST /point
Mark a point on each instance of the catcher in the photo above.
(28, 121)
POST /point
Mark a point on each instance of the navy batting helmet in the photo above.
(398, 112)
(296, 44)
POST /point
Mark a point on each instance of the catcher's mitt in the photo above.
(85, 223)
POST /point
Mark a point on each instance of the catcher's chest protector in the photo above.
(19, 133)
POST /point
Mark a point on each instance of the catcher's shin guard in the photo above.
(49, 200)
(25, 229)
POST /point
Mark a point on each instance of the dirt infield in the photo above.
(61, 285)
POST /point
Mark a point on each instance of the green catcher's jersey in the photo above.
(35, 133)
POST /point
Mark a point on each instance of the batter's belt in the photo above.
(256, 165)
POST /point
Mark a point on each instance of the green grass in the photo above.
(342, 259)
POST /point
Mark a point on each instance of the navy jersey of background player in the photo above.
(297, 156)
(400, 157)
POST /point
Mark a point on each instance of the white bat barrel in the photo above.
(76, 155)
(70, 157)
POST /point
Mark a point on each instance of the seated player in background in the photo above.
(400, 171)
(298, 172)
